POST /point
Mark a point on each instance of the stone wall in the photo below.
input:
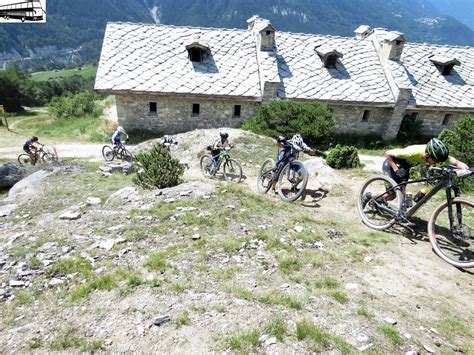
(175, 115)
(349, 120)
(432, 120)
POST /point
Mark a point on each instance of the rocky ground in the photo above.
(89, 262)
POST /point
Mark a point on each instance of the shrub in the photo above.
(460, 138)
(157, 169)
(343, 157)
(78, 105)
(410, 129)
(311, 119)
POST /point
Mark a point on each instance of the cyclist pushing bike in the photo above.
(399, 162)
(167, 141)
(218, 146)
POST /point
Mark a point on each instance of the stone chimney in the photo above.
(362, 31)
(392, 46)
(264, 32)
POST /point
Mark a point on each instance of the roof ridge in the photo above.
(438, 45)
(175, 26)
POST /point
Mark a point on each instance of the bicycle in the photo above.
(232, 170)
(449, 225)
(117, 151)
(286, 174)
(42, 154)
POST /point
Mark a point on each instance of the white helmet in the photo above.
(120, 129)
(297, 139)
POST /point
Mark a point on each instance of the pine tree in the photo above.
(157, 169)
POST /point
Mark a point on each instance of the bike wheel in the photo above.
(206, 165)
(379, 212)
(232, 171)
(125, 155)
(454, 245)
(265, 176)
(292, 181)
(24, 159)
(47, 158)
(108, 153)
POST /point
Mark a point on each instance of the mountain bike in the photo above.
(231, 168)
(117, 151)
(290, 176)
(41, 155)
(450, 224)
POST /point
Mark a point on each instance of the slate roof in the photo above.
(144, 58)
(358, 76)
(430, 88)
(153, 59)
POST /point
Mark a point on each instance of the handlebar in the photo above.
(449, 170)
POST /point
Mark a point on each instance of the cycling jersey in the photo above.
(27, 146)
(116, 137)
(413, 154)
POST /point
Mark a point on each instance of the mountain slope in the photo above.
(80, 25)
(462, 10)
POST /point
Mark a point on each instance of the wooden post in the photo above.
(4, 114)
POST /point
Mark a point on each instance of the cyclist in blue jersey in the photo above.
(117, 136)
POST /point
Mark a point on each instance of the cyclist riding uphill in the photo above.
(30, 148)
(118, 134)
(167, 141)
(399, 161)
(219, 145)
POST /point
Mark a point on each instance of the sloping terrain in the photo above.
(213, 266)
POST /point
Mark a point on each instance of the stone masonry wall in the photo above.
(432, 120)
(175, 115)
(349, 120)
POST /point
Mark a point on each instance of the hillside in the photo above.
(213, 266)
(74, 33)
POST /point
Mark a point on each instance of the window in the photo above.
(414, 116)
(237, 110)
(366, 116)
(269, 33)
(195, 55)
(196, 109)
(331, 61)
(447, 119)
(152, 106)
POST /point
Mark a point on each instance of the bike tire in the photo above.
(47, 158)
(370, 214)
(265, 176)
(232, 170)
(125, 155)
(454, 249)
(206, 165)
(286, 181)
(108, 153)
(24, 159)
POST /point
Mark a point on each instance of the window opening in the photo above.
(366, 116)
(447, 119)
(237, 110)
(152, 106)
(196, 109)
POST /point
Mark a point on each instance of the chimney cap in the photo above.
(325, 51)
(394, 36)
(196, 43)
(362, 29)
(440, 60)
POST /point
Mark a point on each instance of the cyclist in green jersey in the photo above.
(399, 161)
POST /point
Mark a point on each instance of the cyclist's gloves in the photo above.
(401, 173)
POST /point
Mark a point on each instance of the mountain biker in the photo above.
(219, 145)
(117, 136)
(399, 161)
(167, 141)
(30, 148)
(287, 148)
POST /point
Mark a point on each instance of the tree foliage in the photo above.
(311, 119)
(77, 105)
(341, 157)
(157, 169)
(410, 130)
(460, 139)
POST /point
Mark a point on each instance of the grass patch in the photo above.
(277, 297)
(105, 283)
(157, 262)
(182, 319)
(244, 341)
(289, 264)
(392, 334)
(339, 296)
(277, 327)
(362, 311)
(180, 286)
(34, 262)
(87, 72)
(451, 326)
(321, 340)
(35, 343)
(327, 283)
(24, 297)
(67, 341)
(63, 267)
(226, 273)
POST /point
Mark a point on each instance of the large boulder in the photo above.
(11, 173)
(28, 185)
(326, 177)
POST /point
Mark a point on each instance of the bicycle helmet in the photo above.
(34, 139)
(281, 139)
(297, 140)
(120, 129)
(437, 150)
(167, 139)
(224, 135)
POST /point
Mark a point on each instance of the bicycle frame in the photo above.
(219, 158)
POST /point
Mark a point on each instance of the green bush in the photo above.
(157, 169)
(78, 105)
(460, 139)
(311, 119)
(410, 130)
(343, 157)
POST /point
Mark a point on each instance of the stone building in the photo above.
(171, 79)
